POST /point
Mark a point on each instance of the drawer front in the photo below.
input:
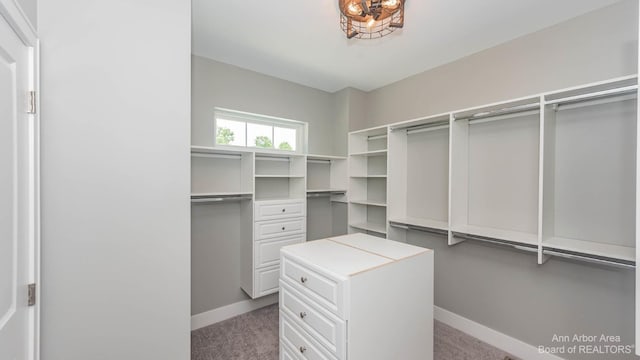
(324, 326)
(273, 210)
(286, 353)
(270, 229)
(267, 280)
(324, 290)
(305, 346)
(267, 252)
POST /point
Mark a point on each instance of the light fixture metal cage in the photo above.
(374, 21)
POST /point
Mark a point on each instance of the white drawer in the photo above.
(324, 326)
(267, 280)
(280, 209)
(295, 338)
(278, 228)
(326, 291)
(267, 252)
(286, 353)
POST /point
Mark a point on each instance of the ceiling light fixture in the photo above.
(371, 19)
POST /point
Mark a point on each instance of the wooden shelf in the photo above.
(368, 203)
(425, 223)
(592, 248)
(501, 234)
(379, 228)
(371, 153)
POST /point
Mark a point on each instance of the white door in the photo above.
(17, 197)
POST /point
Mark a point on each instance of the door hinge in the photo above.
(31, 295)
(31, 107)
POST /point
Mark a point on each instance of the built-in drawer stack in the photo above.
(335, 296)
(276, 223)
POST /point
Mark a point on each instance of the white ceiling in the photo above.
(301, 40)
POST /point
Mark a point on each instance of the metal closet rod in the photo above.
(376, 137)
(313, 161)
(436, 125)
(500, 242)
(514, 110)
(593, 102)
(590, 258)
(218, 198)
(325, 194)
(418, 228)
(595, 95)
(217, 155)
(272, 158)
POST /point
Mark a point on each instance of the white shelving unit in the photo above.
(419, 176)
(326, 196)
(589, 171)
(553, 174)
(220, 174)
(368, 181)
(494, 170)
(279, 176)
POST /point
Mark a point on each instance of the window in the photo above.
(234, 128)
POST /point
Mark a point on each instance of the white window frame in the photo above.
(234, 115)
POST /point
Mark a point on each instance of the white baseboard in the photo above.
(226, 312)
(503, 342)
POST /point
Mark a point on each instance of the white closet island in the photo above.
(356, 297)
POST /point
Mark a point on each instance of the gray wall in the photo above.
(596, 46)
(504, 289)
(215, 84)
(115, 179)
(30, 8)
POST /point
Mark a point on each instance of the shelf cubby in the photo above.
(327, 184)
(221, 172)
(279, 177)
(495, 171)
(419, 174)
(590, 171)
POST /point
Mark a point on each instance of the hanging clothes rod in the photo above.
(428, 125)
(418, 228)
(499, 242)
(313, 161)
(377, 137)
(521, 115)
(219, 198)
(594, 259)
(514, 110)
(271, 158)
(594, 102)
(217, 155)
(324, 193)
(595, 95)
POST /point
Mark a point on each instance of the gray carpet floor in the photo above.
(254, 336)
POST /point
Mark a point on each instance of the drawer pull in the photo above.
(283, 210)
(303, 279)
(302, 349)
(283, 228)
(303, 315)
